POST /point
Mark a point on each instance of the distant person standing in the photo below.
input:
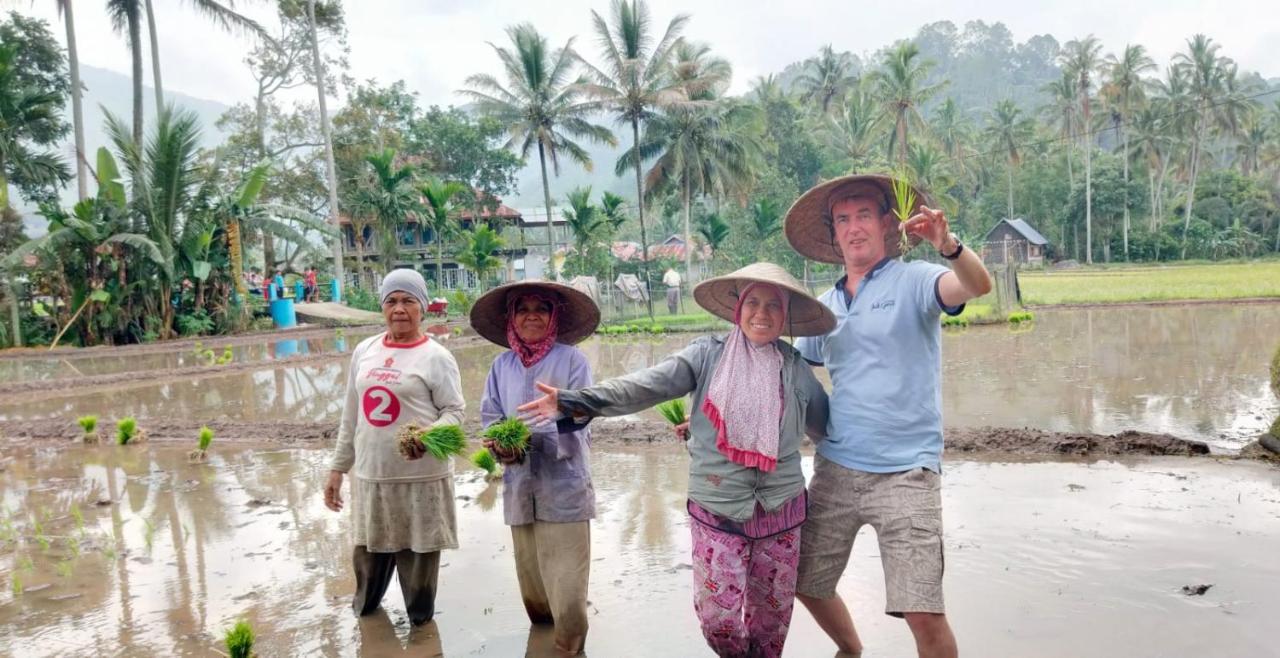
(672, 281)
(309, 285)
(278, 282)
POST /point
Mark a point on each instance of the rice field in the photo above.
(1215, 281)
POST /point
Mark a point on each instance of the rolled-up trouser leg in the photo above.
(529, 574)
(373, 573)
(564, 556)
(419, 573)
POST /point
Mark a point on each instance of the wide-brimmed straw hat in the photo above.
(577, 319)
(806, 316)
(808, 222)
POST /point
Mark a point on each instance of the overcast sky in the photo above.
(434, 44)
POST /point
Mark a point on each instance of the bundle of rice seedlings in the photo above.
(202, 444)
(227, 355)
(510, 434)
(127, 431)
(90, 426)
(673, 411)
(485, 460)
(239, 640)
(441, 441)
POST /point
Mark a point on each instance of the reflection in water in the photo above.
(1196, 372)
(186, 549)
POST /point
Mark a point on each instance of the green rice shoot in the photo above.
(126, 430)
(443, 441)
(904, 202)
(510, 434)
(206, 438)
(673, 411)
(483, 459)
(239, 640)
(88, 423)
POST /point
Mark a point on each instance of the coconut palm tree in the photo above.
(1126, 90)
(331, 15)
(1203, 71)
(126, 17)
(585, 222)
(852, 130)
(389, 193)
(29, 120)
(540, 105)
(439, 210)
(222, 14)
(77, 111)
(900, 84)
(1063, 113)
(477, 254)
(1154, 141)
(1083, 59)
(697, 150)
(632, 82)
(1007, 129)
(766, 222)
(162, 175)
(826, 79)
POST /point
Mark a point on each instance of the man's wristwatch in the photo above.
(955, 254)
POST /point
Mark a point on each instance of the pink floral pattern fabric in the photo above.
(744, 590)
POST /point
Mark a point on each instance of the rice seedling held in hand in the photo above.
(673, 411)
(510, 435)
(90, 426)
(239, 640)
(904, 202)
(485, 460)
(440, 441)
(127, 431)
(202, 445)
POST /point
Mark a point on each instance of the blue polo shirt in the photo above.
(885, 360)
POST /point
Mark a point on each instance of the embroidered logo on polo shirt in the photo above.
(882, 305)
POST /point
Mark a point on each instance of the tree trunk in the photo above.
(1125, 139)
(1009, 171)
(155, 56)
(15, 318)
(1088, 192)
(688, 238)
(439, 237)
(260, 136)
(644, 244)
(546, 197)
(329, 166)
(1191, 189)
(135, 51)
(77, 110)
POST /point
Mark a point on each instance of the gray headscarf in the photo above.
(404, 280)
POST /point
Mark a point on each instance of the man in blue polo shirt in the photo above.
(881, 462)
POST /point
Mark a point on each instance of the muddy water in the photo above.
(1043, 559)
(71, 366)
(1198, 372)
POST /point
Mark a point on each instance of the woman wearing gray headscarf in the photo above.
(402, 510)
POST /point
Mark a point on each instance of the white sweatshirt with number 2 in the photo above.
(389, 385)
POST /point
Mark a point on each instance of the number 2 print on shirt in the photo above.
(381, 406)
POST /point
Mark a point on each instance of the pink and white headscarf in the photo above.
(531, 353)
(744, 398)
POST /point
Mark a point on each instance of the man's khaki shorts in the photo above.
(906, 511)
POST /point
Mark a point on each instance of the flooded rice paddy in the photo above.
(135, 551)
(1197, 372)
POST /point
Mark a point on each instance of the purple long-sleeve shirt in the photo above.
(554, 481)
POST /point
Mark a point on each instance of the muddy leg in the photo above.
(564, 558)
(529, 575)
(419, 574)
(373, 573)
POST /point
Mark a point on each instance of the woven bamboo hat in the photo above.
(806, 316)
(808, 222)
(578, 314)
